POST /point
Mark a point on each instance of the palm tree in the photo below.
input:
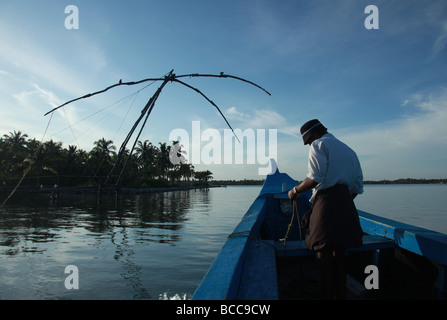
(73, 161)
(47, 162)
(203, 176)
(147, 154)
(101, 159)
(47, 158)
(104, 148)
(16, 140)
(41, 157)
(163, 162)
(14, 148)
(186, 171)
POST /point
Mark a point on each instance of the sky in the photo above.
(383, 91)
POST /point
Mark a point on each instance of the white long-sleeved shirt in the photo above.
(332, 162)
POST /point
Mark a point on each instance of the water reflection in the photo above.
(34, 218)
(79, 228)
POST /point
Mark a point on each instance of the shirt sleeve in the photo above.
(317, 164)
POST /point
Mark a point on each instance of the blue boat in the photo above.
(265, 257)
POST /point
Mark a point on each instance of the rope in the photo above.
(295, 207)
(250, 234)
(30, 165)
(117, 105)
(295, 211)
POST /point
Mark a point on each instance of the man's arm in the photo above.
(307, 184)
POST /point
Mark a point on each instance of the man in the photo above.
(335, 175)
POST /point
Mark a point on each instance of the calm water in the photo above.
(424, 206)
(155, 246)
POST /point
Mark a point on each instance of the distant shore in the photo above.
(212, 184)
(397, 181)
(408, 181)
(101, 191)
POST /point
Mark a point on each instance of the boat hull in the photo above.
(255, 264)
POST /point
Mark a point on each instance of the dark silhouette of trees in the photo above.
(49, 163)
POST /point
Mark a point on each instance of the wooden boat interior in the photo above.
(256, 262)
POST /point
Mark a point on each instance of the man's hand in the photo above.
(292, 194)
(307, 184)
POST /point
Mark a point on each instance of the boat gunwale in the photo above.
(223, 278)
(424, 242)
(221, 282)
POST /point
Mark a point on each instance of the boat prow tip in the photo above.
(273, 167)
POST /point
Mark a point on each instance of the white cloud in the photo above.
(90, 54)
(47, 95)
(234, 113)
(416, 140)
(70, 70)
(411, 146)
(40, 66)
(441, 40)
(35, 79)
(263, 119)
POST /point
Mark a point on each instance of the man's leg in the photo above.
(326, 266)
(339, 274)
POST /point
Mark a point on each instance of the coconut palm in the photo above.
(203, 176)
(186, 171)
(15, 140)
(101, 159)
(104, 148)
(163, 162)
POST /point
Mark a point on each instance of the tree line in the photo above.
(407, 181)
(246, 182)
(49, 163)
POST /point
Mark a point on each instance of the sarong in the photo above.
(334, 222)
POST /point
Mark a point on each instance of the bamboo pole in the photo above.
(169, 77)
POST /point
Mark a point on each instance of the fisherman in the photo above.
(332, 224)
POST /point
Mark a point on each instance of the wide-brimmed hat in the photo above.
(309, 128)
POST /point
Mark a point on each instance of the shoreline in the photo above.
(97, 190)
(221, 184)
